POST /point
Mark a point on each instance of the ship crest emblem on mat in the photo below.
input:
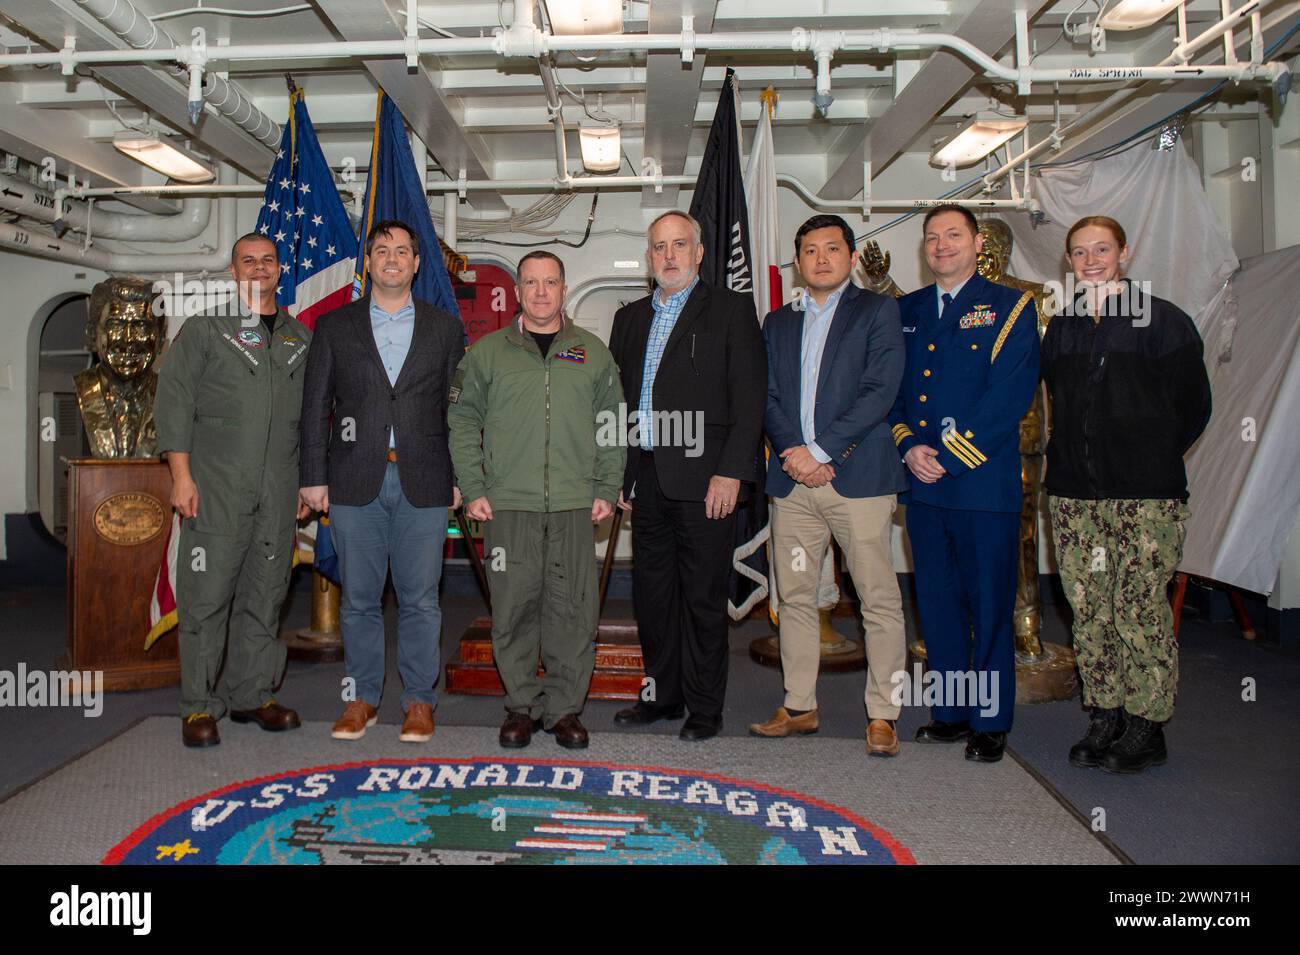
(505, 812)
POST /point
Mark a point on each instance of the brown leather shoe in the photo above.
(570, 733)
(356, 717)
(271, 716)
(882, 740)
(199, 729)
(517, 731)
(783, 724)
(418, 725)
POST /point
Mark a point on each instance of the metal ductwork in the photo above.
(46, 245)
(33, 202)
(133, 27)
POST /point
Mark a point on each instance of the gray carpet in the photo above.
(1226, 796)
(937, 805)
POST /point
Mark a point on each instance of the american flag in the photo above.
(303, 215)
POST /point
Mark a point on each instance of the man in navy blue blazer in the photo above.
(972, 368)
(835, 360)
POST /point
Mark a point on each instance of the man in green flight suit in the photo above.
(535, 443)
(227, 408)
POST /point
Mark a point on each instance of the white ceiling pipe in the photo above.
(20, 196)
(546, 67)
(137, 30)
(46, 246)
(1179, 55)
(451, 187)
(534, 43)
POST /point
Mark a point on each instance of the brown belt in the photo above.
(392, 455)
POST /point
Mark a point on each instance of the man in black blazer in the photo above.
(694, 370)
(374, 455)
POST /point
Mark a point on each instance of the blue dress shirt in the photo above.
(393, 331)
(816, 326)
(666, 313)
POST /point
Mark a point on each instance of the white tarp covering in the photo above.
(1244, 493)
(1178, 244)
(1244, 472)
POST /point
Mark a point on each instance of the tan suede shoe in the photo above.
(881, 739)
(783, 724)
(352, 724)
(418, 725)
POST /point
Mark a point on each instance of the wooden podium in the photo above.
(120, 515)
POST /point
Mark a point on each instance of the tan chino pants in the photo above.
(802, 525)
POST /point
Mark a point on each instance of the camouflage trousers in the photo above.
(1116, 559)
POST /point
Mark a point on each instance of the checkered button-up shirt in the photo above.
(667, 311)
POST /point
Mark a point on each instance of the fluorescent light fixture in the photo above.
(1136, 14)
(585, 16)
(157, 153)
(979, 136)
(601, 148)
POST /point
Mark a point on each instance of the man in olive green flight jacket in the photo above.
(535, 444)
(227, 408)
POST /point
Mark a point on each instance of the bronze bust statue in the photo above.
(126, 329)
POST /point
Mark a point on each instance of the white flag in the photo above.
(764, 233)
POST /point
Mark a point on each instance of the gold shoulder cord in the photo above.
(1006, 329)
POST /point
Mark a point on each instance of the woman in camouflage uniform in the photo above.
(1129, 396)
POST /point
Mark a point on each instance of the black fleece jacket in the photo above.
(1129, 396)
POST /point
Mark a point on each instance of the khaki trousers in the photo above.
(802, 525)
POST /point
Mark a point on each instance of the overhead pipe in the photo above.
(45, 245)
(1180, 54)
(555, 109)
(134, 28)
(457, 187)
(34, 202)
(527, 41)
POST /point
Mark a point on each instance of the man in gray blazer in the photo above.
(374, 455)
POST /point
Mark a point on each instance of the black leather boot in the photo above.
(1142, 745)
(1104, 728)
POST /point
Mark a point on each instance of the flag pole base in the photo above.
(839, 654)
(321, 642)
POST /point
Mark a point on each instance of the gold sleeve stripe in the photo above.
(974, 451)
(1006, 329)
(901, 431)
(961, 453)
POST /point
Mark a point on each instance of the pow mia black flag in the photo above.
(719, 202)
(719, 207)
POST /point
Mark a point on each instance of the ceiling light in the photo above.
(1136, 14)
(157, 153)
(585, 16)
(979, 136)
(601, 148)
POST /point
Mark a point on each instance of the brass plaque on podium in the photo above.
(119, 514)
(130, 518)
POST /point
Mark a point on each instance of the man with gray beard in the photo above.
(692, 351)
